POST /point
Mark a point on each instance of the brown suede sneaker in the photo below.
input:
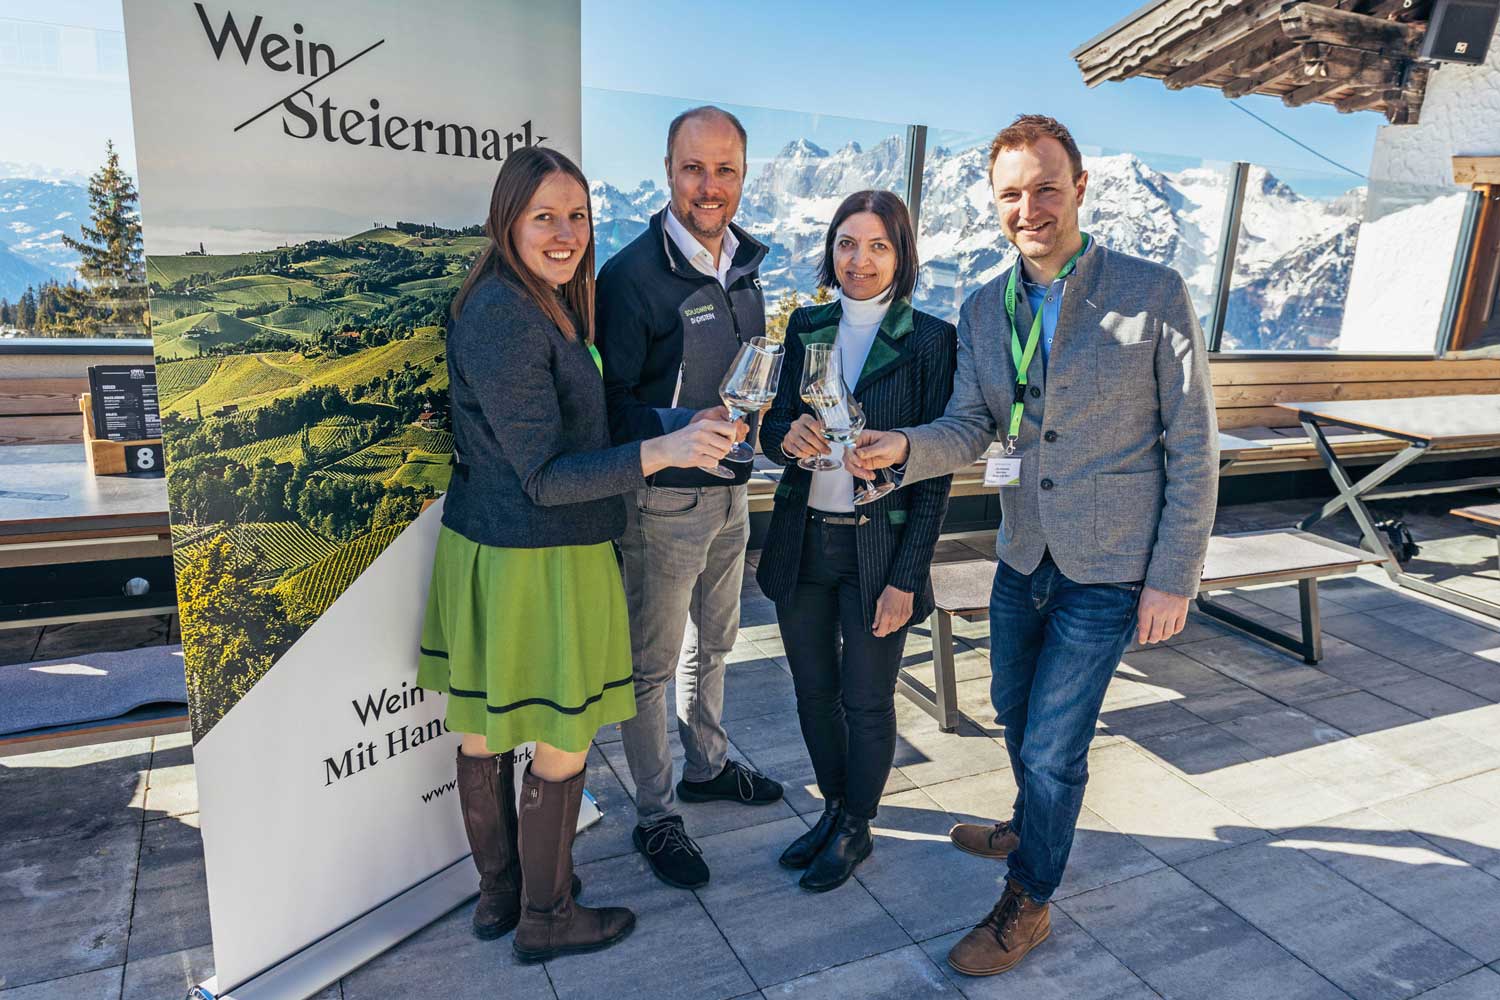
(995, 840)
(1016, 925)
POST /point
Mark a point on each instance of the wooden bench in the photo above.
(962, 590)
(1486, 516)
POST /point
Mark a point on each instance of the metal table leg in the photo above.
(941, 704)
(1350, 494)
(1310, 648)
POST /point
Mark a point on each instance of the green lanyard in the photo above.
(1022, 357)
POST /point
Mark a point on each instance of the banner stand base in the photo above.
(328, 959)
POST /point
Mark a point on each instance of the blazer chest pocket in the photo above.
(1127, 507)
(1126, 371)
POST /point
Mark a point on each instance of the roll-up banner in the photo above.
(314, 176)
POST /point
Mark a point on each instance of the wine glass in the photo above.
(821, 361)
(843, 420)
(749, 386)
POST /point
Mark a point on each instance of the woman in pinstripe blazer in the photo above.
(848, 580)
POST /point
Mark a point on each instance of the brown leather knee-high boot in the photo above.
(552, 923)
(489, 810)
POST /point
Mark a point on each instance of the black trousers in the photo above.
(845, 676)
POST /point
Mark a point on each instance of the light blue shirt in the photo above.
(1048, 299)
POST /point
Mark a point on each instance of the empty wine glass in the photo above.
(749, 386)
(821, 361)
(843, 420)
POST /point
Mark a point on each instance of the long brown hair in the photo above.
(520, 175)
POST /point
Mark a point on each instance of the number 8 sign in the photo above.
(144, 458)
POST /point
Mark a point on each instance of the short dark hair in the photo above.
(892, 213)
(706, 111)
(1027, 129)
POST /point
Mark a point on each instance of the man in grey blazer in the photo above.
(1105, 453)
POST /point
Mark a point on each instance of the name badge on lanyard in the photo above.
(1022, 356)
(1002, 472)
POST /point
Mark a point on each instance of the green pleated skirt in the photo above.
(528, 644)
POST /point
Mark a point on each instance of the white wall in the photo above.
(1460, 117)
(1405, 251)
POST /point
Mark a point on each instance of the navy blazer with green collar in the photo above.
(906, 380)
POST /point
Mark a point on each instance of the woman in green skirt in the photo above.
(526, 629)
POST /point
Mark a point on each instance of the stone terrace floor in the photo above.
(1253, 828)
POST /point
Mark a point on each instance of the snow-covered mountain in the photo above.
(1291, 271)
(34, 216)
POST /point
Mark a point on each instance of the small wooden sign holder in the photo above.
(105, 457)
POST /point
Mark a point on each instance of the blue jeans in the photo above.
(1054, 645)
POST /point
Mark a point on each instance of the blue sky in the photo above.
(961, 65)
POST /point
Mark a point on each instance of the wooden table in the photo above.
(1432, 425)
(53, 510)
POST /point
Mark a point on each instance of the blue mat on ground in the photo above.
(88, 688)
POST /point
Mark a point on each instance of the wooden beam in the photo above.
(1249, 83)
(1310, 92)
(1474, 170)
(1200, 69)
(1365, 98)
(1310, 22)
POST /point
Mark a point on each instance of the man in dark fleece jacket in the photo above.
(673, 308)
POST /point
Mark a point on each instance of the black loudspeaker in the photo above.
(1460, 30)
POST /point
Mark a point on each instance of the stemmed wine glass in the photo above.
(748, 387)
(843, 420)
(822, 361)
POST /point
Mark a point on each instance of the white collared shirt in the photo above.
(697, 254)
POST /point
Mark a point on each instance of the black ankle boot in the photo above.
(807, 846)
(849, 845)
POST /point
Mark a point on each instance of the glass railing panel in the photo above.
(1169, 209)
(801, 166)
(1330, 262)
(67, 99)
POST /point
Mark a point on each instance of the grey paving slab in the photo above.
(1285, 599)
(1187, 945)
(1481, 984)
(757, 687)
(1463, 670)
(904, 974)
(1360, 667)
(1383, 633)
(1427, 746)
(1273, 673)
(702, 819)
(1360, 594)
(1358, 771)
(1462, 823)
(1164, 813)
(65, 903)
(1260, 788)
(171, 895)
(1069, 965)
(774, 745)
(1367, 949)
(675, 952)
(1101, 854)
(169, 976)
(918, 876)
(927, 756)
(101, 984)
(610, 837)
(1137, 722)
(1449, 897)
(1205, 692)
(171, 786)
(445, 960)
(1485, 785)
(1452, 630)
(778, 931)
(77, 791)
(1431, 698)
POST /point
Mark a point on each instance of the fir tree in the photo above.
(113, 263)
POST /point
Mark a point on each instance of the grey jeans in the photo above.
(684, 555)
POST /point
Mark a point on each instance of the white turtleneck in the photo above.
(858, 324)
